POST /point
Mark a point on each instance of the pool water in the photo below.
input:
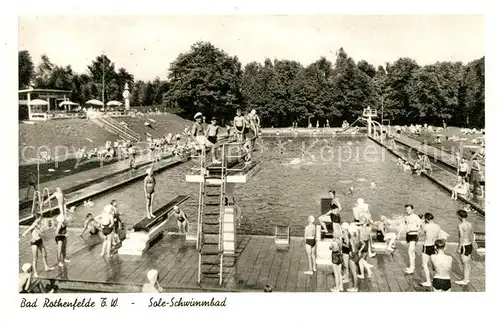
(295, 174)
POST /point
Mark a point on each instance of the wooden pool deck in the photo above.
(258, 262)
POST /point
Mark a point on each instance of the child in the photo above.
(152, 286)
(388, 238)
(337, 265)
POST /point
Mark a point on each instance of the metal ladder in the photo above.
(38, 201)
(211, 219)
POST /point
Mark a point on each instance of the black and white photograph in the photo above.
(251, 153)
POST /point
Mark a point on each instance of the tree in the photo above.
(26, 69)
(205, 79)
(43, 72)
(474, 97)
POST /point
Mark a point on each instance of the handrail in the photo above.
(117, 129)
(222, 212)
(36, 199)
(200, 200)
(121, 127)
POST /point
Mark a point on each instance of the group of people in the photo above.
(352, 244)
(471, 179)
(421, 165)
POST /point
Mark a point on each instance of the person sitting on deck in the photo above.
(152, 286)
(361, 209)
(417, 166)
(91, 224)
(182, 220)
(332, 216)
(384, 236)
(426, 164)
(461, 188)
(406, 167)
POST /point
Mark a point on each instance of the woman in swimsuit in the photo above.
(90, 224)
(354, 256)
(106, 220)
(61, 240)
(310, 237)
(336, 249)
(149, 192)
(37, 244)
(239, 125)
(364, 238)
(346, 249)
(182, 220)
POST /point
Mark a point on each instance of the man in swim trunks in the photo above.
(465, 245)
(182, 220)
(255, 120)
(59, 196)
(431, 233)
(212, 132)
(149, 192)
(441, 264)
(365, 230)
(239, 125)
(412, 227)
(198, 132)
(310, 240)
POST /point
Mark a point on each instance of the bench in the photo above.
(146, 232)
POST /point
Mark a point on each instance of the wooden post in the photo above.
(29, 106)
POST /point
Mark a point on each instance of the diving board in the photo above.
(147, 231)
(238, 174)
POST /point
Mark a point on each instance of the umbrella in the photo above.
(94, 102)
(114, 103)
(67, 103)
(38, 102)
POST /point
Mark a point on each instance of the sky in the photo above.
(146, 45)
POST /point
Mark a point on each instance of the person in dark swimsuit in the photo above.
(354, 256)
(337, 264)
(37, 244)
(310, 239)
(149, 192)
(346, 249)
(332, 215)
(182, 220)
(106, 220)
(90, 224)
(61, 240)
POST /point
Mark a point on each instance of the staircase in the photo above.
(115, 127)
(211, 209)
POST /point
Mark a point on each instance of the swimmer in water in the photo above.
(59, 196)
(350, 191)
(310, 240)
(182, 220)
(91, 225)
(441, 264)
(149, 192)
(373, 185)
(37, 245)
(465, 236)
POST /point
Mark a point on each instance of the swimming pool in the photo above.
(295, 174)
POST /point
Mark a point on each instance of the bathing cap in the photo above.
(198, 115)
(345, 226)
(383, 218)
(361, 201)
(149, 171)
(152, 275)
(353, 228)
(310, 218)
(176, 208)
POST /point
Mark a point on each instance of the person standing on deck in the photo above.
(474, 174)
(463, 168)
(182, 220)
(61, 204)
(37, 244)
(441, 264)
(412, 227)
(335, 200)
(61, 240)
(149, 192)
(239, 125)
(431, 234)
(464, 245)
(250, 133)
(106, 221)
(198, 134)
(255, 120)
(310, 244)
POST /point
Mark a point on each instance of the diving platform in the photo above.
(239, 173)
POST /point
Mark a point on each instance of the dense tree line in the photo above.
(283, 91)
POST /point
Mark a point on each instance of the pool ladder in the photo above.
(38, 203)
(211, 204)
